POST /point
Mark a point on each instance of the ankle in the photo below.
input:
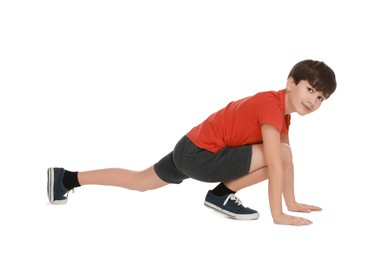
(71, 180)
(222, 190)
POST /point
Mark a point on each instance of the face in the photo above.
(302, 97)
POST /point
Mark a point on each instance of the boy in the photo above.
(240, 145)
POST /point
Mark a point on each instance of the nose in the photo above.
(312, 100)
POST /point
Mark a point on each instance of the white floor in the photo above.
(87, 85)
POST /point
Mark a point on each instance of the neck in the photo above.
(288, 109)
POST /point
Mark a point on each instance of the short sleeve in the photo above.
(271, 113)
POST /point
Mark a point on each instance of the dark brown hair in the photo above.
(319, 75)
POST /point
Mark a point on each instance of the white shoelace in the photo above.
(232, 197)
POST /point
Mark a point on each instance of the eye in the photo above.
(321, 98)
(310, 90)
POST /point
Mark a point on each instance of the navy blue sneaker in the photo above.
(56, 191)
(231, 206)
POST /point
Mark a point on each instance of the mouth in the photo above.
(307, 107)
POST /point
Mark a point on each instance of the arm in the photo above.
(288, 185)
(288, 182)
(285, 139)
(274, 161)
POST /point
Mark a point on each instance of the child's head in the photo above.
(319, 75)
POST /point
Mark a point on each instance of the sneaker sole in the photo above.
(50, 188)
(231, 214)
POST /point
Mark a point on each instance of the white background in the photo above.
(96, 84)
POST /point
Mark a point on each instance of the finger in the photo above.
(315, 208)
(306, 222)
(303, 208)
(302, 222)
(300, 209)
(312, 207)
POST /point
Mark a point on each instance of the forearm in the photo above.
(288, 185)
(275, 190)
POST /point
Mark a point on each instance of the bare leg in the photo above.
(258, 171)
(248, 180)
(133, 180)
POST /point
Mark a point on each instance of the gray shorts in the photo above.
(189, 161)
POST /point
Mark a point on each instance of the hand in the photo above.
(299, 207)
(285, 219)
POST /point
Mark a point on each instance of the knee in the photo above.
(141, 188)
(287, 155)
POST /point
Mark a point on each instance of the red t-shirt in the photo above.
(239, 123)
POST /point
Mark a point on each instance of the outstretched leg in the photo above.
(61, 181)
(134, 180)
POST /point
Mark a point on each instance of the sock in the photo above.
(71, 180)
(222, 190)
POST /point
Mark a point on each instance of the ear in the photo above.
(290, 83)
